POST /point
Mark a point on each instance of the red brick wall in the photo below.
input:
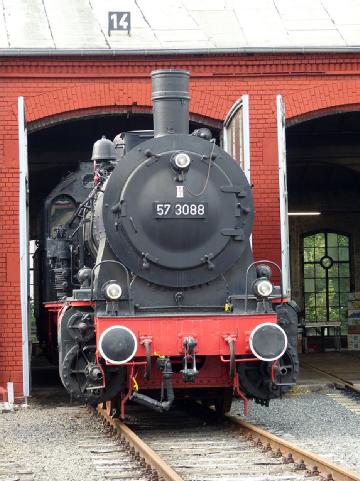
(310, 85)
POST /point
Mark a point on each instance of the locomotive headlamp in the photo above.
(268, 341)
(113, 291)
(263, 270)
(262, 287)
(182, 161)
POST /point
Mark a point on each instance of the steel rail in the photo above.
(290, 452)
(336, 379)
(151, 458)
(293, 453)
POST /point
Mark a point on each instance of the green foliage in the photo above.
(326, 286)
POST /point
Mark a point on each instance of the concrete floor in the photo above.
(314, 367)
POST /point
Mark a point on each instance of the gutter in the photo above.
(47, 52)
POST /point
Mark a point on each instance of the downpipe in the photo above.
(159, 406)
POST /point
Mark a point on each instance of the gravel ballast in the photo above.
(44, 439)
(313, 421)
(47, 438)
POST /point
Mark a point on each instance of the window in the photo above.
(61, 210)
(326, 268)
(236, 136)
(234, 141)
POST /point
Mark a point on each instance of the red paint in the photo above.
(168, 332)
(58, 89)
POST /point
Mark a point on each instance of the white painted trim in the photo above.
(283, 196)
(24, 244)
(236, 106)
(10, 393)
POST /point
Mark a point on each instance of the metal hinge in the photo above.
(237, 234)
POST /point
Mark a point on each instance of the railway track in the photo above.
(347, 393)
(184, 447)
(337, 381)
(150, 447)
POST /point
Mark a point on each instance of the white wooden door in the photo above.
(24, 243)
(283, 195)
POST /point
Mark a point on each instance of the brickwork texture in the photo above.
(311, 85)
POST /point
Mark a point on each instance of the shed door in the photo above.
(236, 134)
(283, 195)
(24, 243)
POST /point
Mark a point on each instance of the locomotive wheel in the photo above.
(255, 377)
(223, 403)
(113, 407)
(81, 376)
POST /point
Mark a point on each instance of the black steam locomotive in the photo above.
(149, 289)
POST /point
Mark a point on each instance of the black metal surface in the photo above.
(79, 371)
(174, 232)
(268, 342)
(176, 251)
(118, 344)
(170, 96)
(255, 378)
(103, 150)
(136, 137)
(164, 364)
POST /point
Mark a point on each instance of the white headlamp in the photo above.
(113, 291)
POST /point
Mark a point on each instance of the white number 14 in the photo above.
(122, 22)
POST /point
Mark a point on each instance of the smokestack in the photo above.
(170, 96)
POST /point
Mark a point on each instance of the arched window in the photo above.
(236, 136)
(326, 267)
(61, 210)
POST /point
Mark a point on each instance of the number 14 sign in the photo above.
(119, 21)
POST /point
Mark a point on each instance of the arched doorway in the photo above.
(57, 147)
(323, 157)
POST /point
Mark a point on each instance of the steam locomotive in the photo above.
(147, 285)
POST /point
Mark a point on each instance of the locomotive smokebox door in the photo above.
(193, 230)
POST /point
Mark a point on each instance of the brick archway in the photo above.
(329, 99)
(113, 97)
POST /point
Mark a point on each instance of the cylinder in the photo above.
(170, 96)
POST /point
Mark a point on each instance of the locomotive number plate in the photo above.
(175, 210)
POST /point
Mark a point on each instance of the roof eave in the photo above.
(44, 52)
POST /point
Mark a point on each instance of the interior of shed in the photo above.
(323, 161)
(54, 151)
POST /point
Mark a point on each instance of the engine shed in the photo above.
(278, 86)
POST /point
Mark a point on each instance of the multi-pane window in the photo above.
(326, 277)
(234, 138)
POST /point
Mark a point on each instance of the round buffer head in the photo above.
(268, 341)
(118, 344)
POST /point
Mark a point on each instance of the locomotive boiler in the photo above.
(150, 290)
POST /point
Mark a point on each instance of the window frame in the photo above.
(302, 264)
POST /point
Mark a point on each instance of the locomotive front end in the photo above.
(173, 304)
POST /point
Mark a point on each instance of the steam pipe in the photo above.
(159, 406)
